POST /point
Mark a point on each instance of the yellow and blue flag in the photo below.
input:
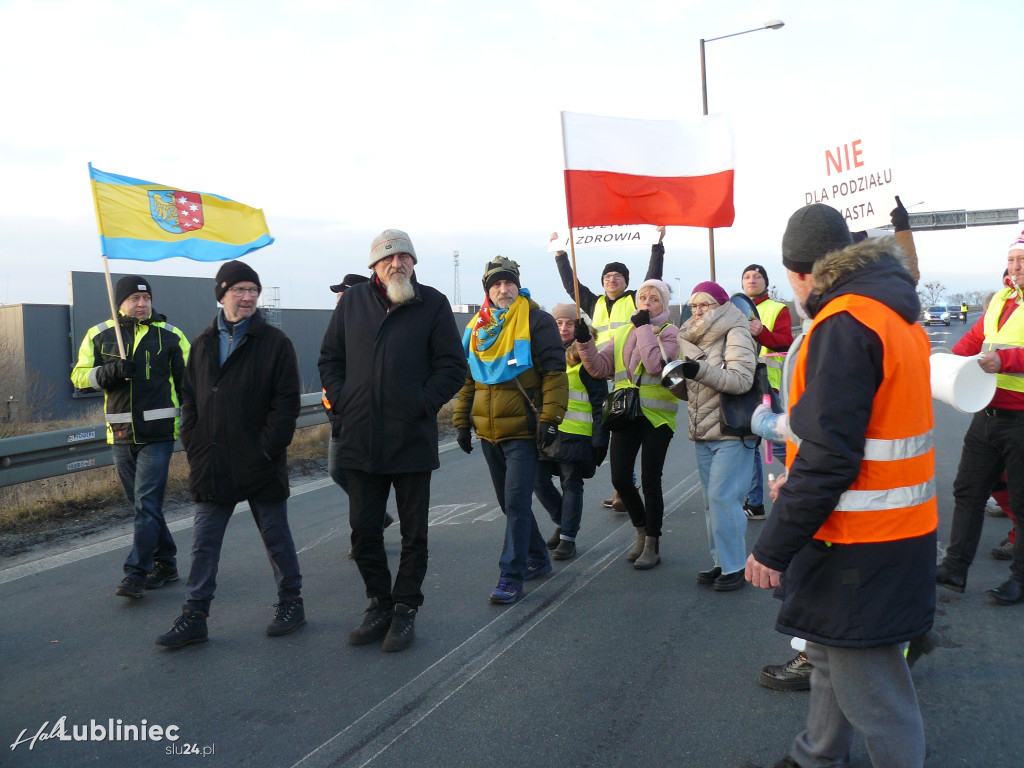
(148, 222)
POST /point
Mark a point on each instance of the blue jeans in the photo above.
(211, 521)
(565, 508)
(142, 470)
(513, 468)
(755, 495)
(723, 474)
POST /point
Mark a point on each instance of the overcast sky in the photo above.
(341, 119)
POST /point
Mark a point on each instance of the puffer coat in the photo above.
(720, 341)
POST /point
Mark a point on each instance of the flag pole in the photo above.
(568, 213)
(106, 267)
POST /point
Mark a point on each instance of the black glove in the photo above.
(581, 331)
(115, 374)
(899, 217)
(465, 440)
(642, 317)
(599, 451)
(548, 433)
(690, 368)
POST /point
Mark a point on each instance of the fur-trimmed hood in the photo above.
(874, 268)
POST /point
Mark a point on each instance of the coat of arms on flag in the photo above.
(176, 211)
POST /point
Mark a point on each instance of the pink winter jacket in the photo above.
(641, 347)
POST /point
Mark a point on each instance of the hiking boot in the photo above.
(376, 622)
(649, 557)
(566, 550)
(163, 573)
(637, 548)
(130, 587)
(507, 592)
(556, 537)
(794, 675)
(535, 568)
(289, 615)
(1004, 551)
(190, 627)
(402, 631)
(754, 511)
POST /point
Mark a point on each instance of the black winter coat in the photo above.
(387, 372)
(849, 595)
(238, 419)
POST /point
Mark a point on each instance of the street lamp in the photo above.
(773, 24)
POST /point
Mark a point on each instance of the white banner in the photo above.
(848, 165)
(607, 237)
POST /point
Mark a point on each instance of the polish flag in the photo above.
(621, 171)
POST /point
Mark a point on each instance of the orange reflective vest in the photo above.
(894, 495)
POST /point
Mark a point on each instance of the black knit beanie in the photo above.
(616, 266)
(128, 285)
(234, 272)
(813, 231)
(757, 268)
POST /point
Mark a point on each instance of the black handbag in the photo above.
(621, 409)
(552, 451)
(734, 411)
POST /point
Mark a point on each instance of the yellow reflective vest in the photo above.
(579, 415)
(1010, 335)
(606, 325)
(768, 311)
(657, 403)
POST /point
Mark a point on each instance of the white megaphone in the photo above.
(960, 382)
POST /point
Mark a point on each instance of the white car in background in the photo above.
(937, 314)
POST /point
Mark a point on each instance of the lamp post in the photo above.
(773, 24)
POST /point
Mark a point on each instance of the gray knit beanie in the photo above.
(388, 243)
(813, 231)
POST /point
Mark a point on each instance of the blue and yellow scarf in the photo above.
(497, 341)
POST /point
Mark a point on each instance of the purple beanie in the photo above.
(712, 289)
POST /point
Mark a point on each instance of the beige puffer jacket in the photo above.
(721, 342)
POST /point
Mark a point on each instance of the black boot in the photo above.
(1009, 593)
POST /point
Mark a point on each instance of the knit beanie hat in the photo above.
(388, 243)
(757, 268)
(616, 266)
(565, 310)
(1018, 244)
(813, 231)
(348, 282)
(712, 289)
(500, 269)
(663, 289)
(234, 272)
(128, 285)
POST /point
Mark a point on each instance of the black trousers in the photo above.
(652, 444)
(992, 443)
(368, 499)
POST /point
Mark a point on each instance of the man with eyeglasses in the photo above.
(240, 401)
(141, 392)
(390, 359)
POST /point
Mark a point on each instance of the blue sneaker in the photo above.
(535, 568)
(507, 592)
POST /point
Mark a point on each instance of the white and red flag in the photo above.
(665, 172)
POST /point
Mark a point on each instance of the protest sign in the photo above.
(609, 236)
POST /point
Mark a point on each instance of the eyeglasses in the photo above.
(240, 292)
(612, 276)
(701, 307)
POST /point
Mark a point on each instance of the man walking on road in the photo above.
(515, 396)
(853, 527)
(240, 401)
(141, 395)
(995, 438)
(390, 359)
(773, 332)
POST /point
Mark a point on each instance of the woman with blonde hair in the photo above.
(720, 356)
(636, 354)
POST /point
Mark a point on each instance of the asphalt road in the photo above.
(600, 665)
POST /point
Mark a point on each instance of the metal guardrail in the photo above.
(53, 454)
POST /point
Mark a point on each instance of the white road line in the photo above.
(380, 727)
